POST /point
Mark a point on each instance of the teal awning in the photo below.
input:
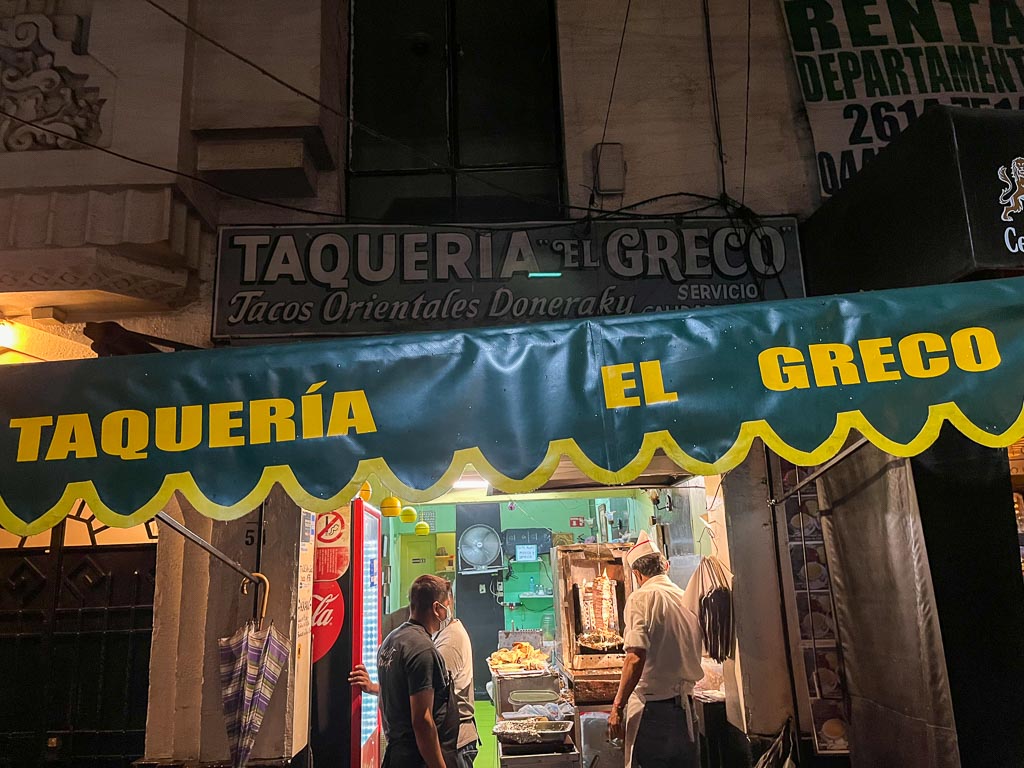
(222, 426)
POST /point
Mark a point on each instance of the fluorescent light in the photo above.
(8, 335)
(464, 484)
(544, 274)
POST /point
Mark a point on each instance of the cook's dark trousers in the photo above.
(664, 737)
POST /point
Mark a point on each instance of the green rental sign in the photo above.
(869, 70)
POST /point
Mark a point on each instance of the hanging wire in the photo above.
(353, 122)
(172, 171)
(712, 202)
(746, 115)
(611, 98)
(730, 206)
(599, 212)
(723, 200)
(328, 214)
(715, 107)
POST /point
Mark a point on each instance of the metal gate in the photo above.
(76, 621)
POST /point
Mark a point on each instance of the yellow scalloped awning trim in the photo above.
(750, 431)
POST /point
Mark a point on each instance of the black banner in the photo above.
(337, 280)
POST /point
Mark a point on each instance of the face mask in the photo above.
(445, 621)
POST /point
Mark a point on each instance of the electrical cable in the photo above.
(713, 201)
(547, 569)
(354, 122)
(533, 610)
(746, 115)
(439, 166)
(724, 201)
(601, 213)
(173, 171)
(715, 106)
(309, 211)
(611, 95)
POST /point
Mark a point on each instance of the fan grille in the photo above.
(480, 545)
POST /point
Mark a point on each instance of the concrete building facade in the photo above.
(106, 232)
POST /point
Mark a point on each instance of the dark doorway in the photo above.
(76, 620)
(478, 605)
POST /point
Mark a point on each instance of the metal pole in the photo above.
(195, 538)
(772, 506)
(261, 521)
(820, 471)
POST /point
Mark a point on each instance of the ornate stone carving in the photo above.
(84, 279)
(44, 81)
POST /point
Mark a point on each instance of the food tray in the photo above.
(519, 672)
(525, 696)
(531, 731)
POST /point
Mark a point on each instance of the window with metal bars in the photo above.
(467, 93)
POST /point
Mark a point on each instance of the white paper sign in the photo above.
(867, 70)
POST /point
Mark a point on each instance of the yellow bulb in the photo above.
(390, 507)
(422, 528)
(408, 515)
(366, 492)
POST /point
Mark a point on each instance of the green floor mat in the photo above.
(488, 755)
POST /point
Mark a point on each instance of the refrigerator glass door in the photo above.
(371, 629)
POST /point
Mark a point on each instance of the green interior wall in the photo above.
(396, 531)
(553, 513)
(541, 510)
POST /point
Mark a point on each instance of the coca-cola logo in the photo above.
(328, 617)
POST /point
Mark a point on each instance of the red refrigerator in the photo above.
(345, 725)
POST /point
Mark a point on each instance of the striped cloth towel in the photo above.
(250, 664)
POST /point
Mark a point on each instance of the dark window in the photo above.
(470, 88)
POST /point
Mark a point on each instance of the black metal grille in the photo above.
(75, 630)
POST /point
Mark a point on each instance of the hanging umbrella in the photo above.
(783, 752)
(250, 664)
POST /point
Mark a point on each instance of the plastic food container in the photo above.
(532, 697)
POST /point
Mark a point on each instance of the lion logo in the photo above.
(1012, 198)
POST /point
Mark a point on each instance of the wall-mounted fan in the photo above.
(480, 550)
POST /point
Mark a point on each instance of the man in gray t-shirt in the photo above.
(417, 704)
(455, 648)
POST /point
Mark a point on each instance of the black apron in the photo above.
(448, 731)
(666, 737)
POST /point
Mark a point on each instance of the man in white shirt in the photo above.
(455, 648)
(663, 653)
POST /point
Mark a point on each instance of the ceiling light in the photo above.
(467, 483)
(8, 335)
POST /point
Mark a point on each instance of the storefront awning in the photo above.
(223, 426)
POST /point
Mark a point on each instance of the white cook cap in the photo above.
(644, 546)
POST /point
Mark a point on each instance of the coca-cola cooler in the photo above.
(345, 725)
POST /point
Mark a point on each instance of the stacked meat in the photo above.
(600, 615)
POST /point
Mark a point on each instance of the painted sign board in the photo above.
(361, 280)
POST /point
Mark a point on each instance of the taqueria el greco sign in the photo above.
(345, 280)
(223, 426)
